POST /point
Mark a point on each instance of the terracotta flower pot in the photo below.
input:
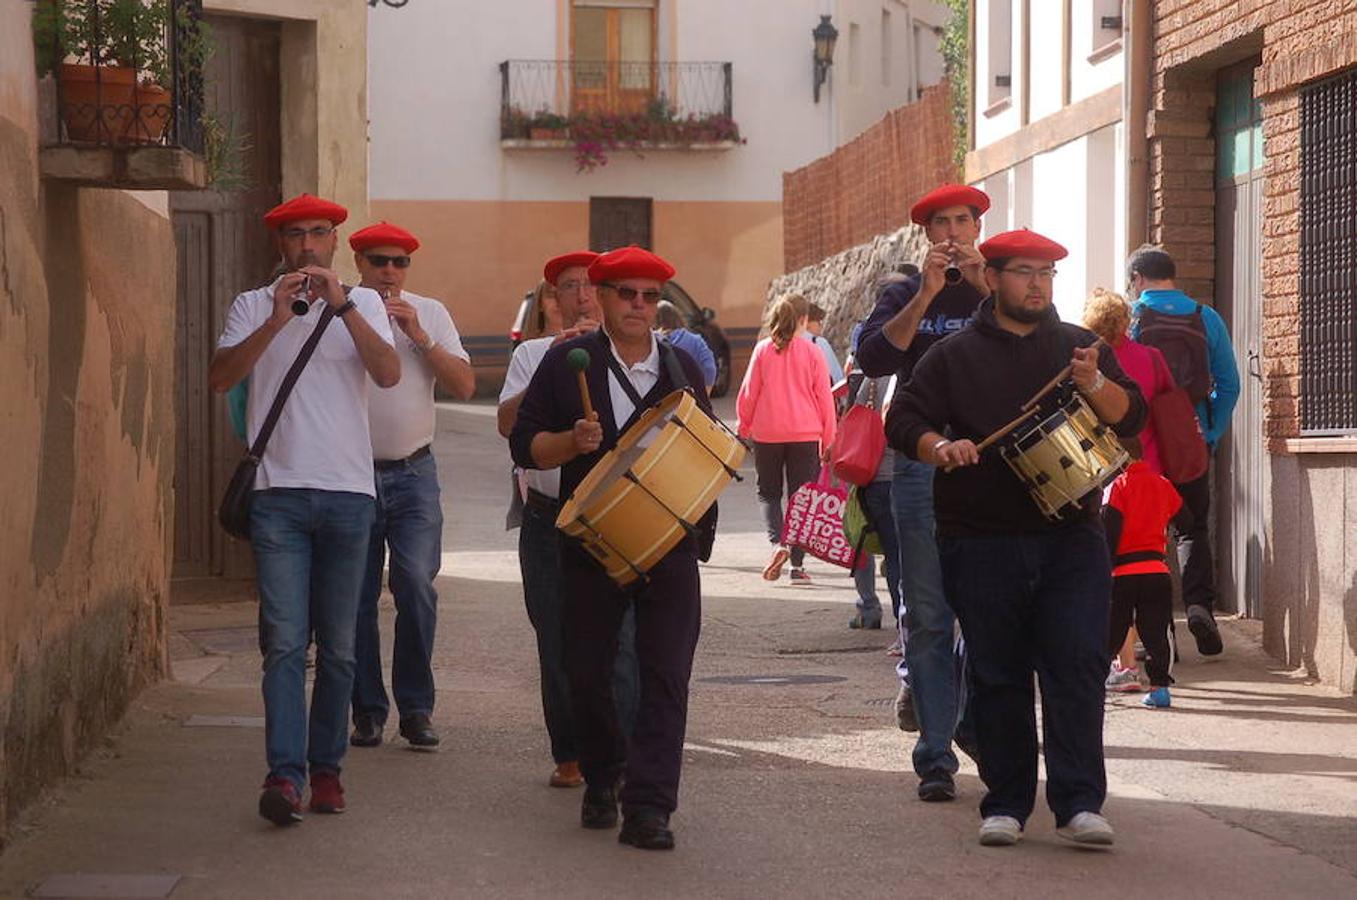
(154, 106)
(547, 134)
(96, 103)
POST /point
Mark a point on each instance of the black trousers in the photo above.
(668, 619)
(1035, 603)
(794, 463)
(1147, 602)
(1192, 529)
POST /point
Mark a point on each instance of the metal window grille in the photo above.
(1328, 256)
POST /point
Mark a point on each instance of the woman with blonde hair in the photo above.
(545, 317)
(786, 407)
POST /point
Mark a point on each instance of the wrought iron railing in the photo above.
(653, 102)
(1328, 256)
(125, 72)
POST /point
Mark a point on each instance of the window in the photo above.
(1328, 245)
(612, 50)
(1105, 23)
(999, 37)
(854, 55)
(885, 48)
(1239, 124)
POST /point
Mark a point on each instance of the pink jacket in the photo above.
(1147, 366)
(785, 396)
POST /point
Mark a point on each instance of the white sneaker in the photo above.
(1000, 831)
(1088, 828)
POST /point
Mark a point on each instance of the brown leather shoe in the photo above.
(567, 775)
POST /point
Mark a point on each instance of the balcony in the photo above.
(594, 108)
(121, 92)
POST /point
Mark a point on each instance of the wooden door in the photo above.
(612, 50)
(1240, 458)
(222, 249)
(619, 222)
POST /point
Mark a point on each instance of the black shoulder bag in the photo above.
(234, 512)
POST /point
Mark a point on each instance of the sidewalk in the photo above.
(797, 783)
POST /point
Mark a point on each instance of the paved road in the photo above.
(1245, 788)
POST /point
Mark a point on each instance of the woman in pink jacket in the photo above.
(786, 407)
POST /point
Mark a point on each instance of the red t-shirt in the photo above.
(1146, 501)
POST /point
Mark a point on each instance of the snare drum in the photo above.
(646, 493)
(1064, 455)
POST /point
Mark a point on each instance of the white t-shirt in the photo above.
(322, 440)
(642, 376)
(402, 417)
(522, 366)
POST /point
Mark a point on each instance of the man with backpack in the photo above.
(1196, 345)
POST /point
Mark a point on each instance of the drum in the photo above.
(1063, 455)
(645, 494)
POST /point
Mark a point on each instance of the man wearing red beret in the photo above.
(910, 316)
(409, 513)
(312, 512)
(538, 550)
(629, 371)
(1031, 592)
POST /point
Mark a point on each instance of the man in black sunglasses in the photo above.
(409, 515)
(629, 371)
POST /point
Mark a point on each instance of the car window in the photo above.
(679, 297)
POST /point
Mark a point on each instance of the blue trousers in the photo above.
(409, 521)
(309, 547)
(1035, 604)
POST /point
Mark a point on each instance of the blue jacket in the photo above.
(1214, 412)
(831, 360)
(696, 347)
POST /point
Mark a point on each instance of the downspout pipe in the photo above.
(1138, 52)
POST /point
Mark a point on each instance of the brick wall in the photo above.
(1298, 41)
(865, 188)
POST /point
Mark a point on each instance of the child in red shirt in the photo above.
(1136, 518)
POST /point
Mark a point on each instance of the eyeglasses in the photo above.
(1026, 273)
(320, 231)
(381, 261)
(571, 287)
(629, 294)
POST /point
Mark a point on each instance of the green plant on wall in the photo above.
(956, 57)
(127, 33)
(224, 152)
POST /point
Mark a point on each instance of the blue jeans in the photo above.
(539, 560)
(309, 547)
(1035, 603)
(409, 520)
(929, 625)
(876, 499)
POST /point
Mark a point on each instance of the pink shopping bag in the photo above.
(814, 522)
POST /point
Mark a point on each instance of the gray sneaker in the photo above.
(1089, 829)
(1124, 681)
(905, 716)
(1000, 831)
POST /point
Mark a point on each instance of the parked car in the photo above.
(700, 319)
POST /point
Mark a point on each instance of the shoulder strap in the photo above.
(627, 387)
(671, 365)
(289, 380)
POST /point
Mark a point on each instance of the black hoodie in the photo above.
(975, 381)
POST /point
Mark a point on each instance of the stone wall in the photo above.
(846, 283)
(87, 320)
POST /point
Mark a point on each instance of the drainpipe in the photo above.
(1137, 53)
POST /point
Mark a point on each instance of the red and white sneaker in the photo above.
(327, 794)
(281, 802)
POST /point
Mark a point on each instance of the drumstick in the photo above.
(1060, 376)
(579, 361)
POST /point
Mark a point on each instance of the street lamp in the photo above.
(825, 35)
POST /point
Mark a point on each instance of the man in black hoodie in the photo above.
(1032, 594)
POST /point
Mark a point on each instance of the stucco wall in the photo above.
(87, 318)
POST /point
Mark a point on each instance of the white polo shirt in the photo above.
(402, 416)
(322, 439)
(643, 376)
(522, 366)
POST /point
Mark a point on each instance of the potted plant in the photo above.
(548, 126)
(110, 63)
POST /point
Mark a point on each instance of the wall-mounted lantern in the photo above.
(825, 35)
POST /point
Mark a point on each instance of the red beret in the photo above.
(1022, 243)
(945, 196)
(383, 234)
(558, 264)
(303, 207)
(629, 262)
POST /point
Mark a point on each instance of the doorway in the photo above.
(619, 222)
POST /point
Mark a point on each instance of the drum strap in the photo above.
(672, 368)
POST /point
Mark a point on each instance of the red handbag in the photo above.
(860, 444)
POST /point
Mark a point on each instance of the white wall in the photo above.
(892, 69)
(993, 121)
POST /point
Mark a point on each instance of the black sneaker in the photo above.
(937, 787)
(367, 731)
(418, 730)
(648, 830)
(1203, 627)
(599, 807)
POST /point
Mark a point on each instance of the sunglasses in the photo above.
(629, 294)
(381, 261)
